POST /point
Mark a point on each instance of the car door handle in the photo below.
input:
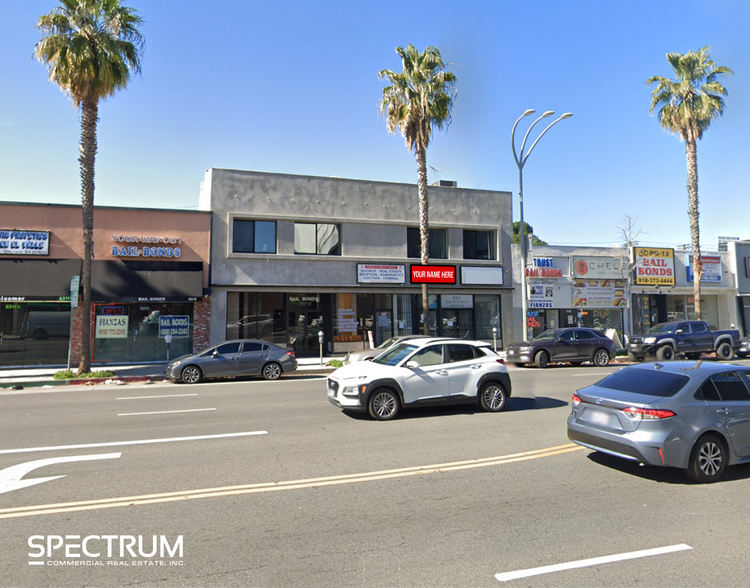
(724, 411)
(476, 367)
(442, 373)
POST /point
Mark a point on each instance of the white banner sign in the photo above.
(24, 242)
(111, 327)
(381, 274)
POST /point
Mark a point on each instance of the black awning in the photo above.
(131, 281)
(37, 279)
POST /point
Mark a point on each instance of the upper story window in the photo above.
(253, 236)
(437, 243)
(479, 244)
(317, 239)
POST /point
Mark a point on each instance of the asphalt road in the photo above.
(259, 483)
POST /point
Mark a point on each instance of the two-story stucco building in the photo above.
(294, 256)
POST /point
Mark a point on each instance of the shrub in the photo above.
(336, 363)
(71, 375)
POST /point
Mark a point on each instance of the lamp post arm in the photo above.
(513, 140)
(549, 126)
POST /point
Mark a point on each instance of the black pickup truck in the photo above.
(689, 338)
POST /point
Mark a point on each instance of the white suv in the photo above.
(419, 372)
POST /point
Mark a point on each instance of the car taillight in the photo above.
(576, 400)
(647, 414)
(500, 361)
(290, 352)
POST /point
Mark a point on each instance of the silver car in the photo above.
(230, 359)
(355, 356)
(682, 414)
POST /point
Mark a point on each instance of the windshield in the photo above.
(662, 328)
(546, 335)
(394, 355)
(651, 383)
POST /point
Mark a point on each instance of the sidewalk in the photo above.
(152, 372)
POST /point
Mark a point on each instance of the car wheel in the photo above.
(665, 353)
(634, 358)
(272, 371)
(707, 460)
(541, 359)
(383, 404)
(601, 357)
(191, 375)
(725, 351)
(492, 397)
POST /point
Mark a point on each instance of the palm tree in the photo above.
(687, 105)
(418, 100)
(90, 48)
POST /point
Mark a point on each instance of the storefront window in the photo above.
(404, 316)
(253, 315)
(603, 319)
(130, 332)
(34, 333)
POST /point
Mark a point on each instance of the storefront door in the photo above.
(306, 318)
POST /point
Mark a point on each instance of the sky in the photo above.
(292, 87)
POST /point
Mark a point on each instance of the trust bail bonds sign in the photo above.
(654, 266)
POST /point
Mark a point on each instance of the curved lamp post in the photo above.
(521, 158)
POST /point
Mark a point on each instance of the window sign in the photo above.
(111, 327)
(457, 301)
(24, 242)
(177, 326)
(541, 293)
(711, 269)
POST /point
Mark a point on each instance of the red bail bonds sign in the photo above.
(433, 274)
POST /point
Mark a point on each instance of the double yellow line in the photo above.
(66, 507)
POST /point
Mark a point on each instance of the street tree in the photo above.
(528, 231)
(418, 100)
(686, 107)
(91, 48)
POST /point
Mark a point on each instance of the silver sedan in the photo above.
(683, 414)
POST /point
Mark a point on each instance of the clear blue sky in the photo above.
(292, 87)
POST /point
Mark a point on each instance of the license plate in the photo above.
(511, 352)
(597, 417)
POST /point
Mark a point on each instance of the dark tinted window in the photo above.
(253, 236)
(731, 386)
(460, 353)
(708, 392)
(436, 243)
(252, 347)
(699, 328)
(581, 335)
(228, 348)
(683, 328)
(479, 244)
(649, 382)
(568, 336)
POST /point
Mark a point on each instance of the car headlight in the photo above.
(175, 363)
(350, 391)
(524, 349)
(649, 340)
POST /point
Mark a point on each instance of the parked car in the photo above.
(230, 359)
(744, 349)
(422, 372)
(573, 345)
(683, 414)
(664, 341)
(355, 356)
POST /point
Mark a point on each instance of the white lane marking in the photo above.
(594, 561)
(10, 478)
(165, 412)
(160, 396)
(36, 563)
(591, 374)
(137, 442)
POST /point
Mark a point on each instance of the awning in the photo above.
(37, 279)
(146, 281)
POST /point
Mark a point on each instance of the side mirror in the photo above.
(679, 331)
(412, 365)
(215, 353)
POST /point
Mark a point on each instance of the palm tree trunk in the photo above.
(87, 159)
(424, 228)
(691, 152)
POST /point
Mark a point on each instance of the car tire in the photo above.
(541, 359)
(725, 352)
(665, 353)
(576, 363)
(492, 397)
(272, 371)
(601, 358)
(383, 404)
(191, 374)
(634, 358)
(707, 460)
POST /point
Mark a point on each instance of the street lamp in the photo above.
(520, 161)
